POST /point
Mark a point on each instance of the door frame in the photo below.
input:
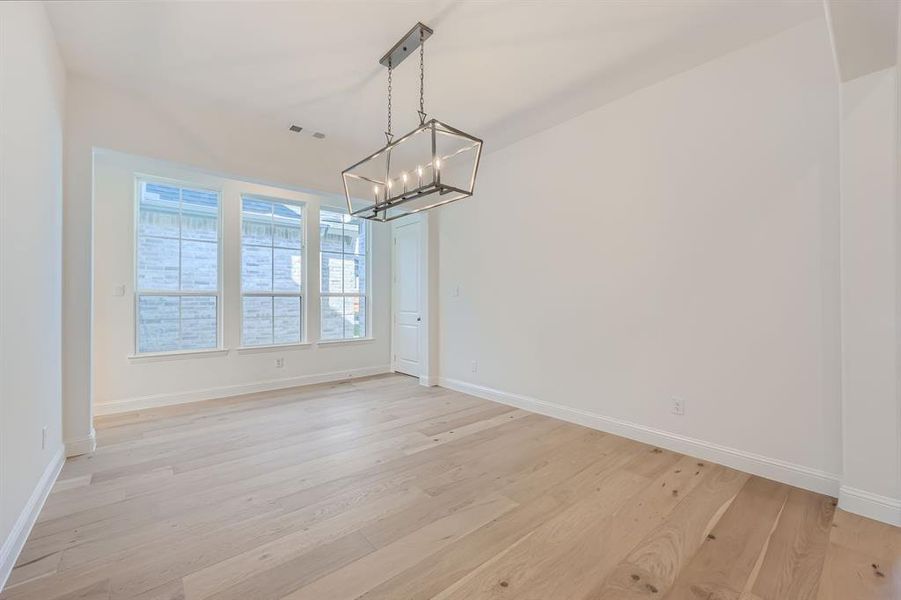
(428, 294)
(416, 224)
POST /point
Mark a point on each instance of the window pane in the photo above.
(286, 211)
(342, 273)
(287, 270)
(287, 320)
(271, 260)
(157, 263)
(256, 320)
(360, 267)
(157, 323)
(177, 242)
(332, 318)
(355, 236)
(286, 225)
(354, 317)
(256, 222)
(199, 266)
(158, 210)
(256, 269)
(198, 322)
(286, 235)
(332, 273)
(354, 274)
(331, 231)
(199, 215)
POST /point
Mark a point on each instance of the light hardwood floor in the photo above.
(383, 489)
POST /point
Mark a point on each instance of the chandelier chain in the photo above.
(421, 77)
(388, 133)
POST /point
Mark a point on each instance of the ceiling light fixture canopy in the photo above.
(433, 165)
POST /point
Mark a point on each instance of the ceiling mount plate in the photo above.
(406, 46)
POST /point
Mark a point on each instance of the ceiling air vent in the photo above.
(296, 128)
(319, 135)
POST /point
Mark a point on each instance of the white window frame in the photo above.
(220, 285)
(304, 304)
(367, 295)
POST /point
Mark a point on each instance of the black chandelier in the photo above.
(433, 165)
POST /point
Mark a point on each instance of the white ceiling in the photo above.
(498, 69)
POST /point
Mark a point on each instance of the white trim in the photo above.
(341, 341)
(771, 468)
(872, 506)
(176, 354)
(145, 402)
(12, 546)
(273, 347)
(84, 445)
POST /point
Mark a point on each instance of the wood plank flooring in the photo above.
(383, 489)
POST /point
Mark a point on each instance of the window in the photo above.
(343, 255)
(177, 276)
(271, 272)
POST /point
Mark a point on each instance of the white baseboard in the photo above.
(12, 546)
(84, 445)
(428, 381)
(771, 468)
(145, 402)
(872, 506)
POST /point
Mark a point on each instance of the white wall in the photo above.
(164, 126)
(681, 242)
(123, 383)
(871, 481)
(32, 87)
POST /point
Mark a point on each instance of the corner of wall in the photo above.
(82, 445)
(872, 506)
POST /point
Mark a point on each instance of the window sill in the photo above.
(155, 356)
(272, 348)
(346, 341)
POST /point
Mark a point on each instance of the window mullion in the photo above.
(181, 204)
(272, 248)
(272, 270)
(181, 207)
(343, 278)
(301, 307)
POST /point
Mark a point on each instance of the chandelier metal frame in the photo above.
(421, 188)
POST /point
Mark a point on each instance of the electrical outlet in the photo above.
(43, 437)
(678, 407)
(279, 363)
(474, 367)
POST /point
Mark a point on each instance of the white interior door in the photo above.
(407, 298)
